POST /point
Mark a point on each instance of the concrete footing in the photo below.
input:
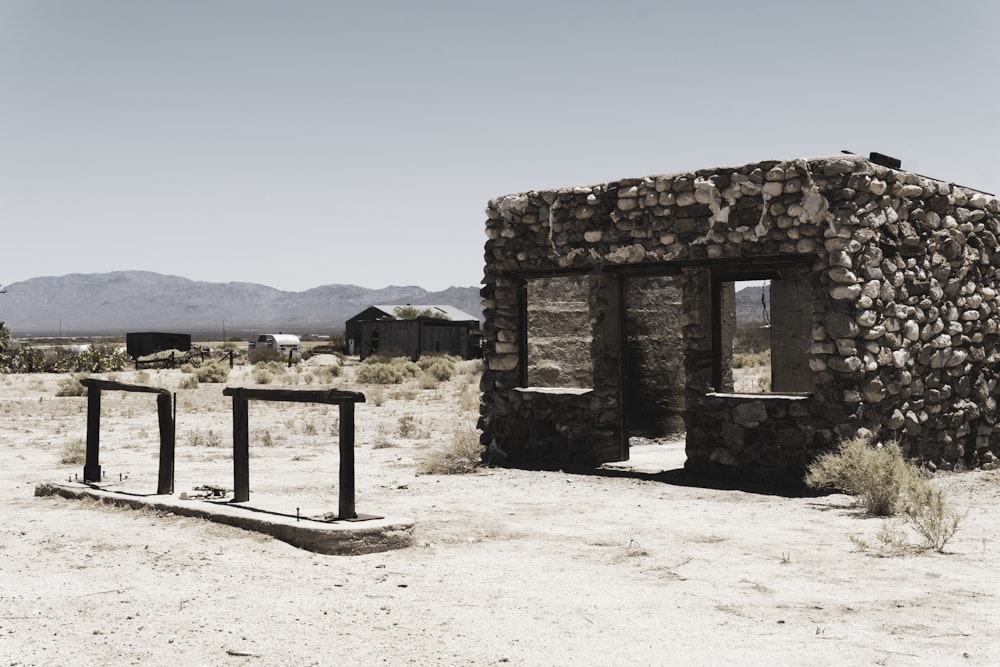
(337, 537)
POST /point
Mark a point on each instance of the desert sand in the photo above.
(508, 566)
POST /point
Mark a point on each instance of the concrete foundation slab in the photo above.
(317, 534)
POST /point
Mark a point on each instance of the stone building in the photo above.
(609, 314)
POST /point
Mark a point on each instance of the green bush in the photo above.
(875, 474)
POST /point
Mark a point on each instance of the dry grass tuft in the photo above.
(74, 452)
(461, 455)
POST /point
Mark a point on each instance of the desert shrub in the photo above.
(262, 376)
(439, 366)
(470, 368)
(212, 372)
(142, 377)
(751, 359)
(407, 426)
(100, 358)
(885, 484)
(427, 381)
(460, 455)
(263, 437)
(378, 373)
(890, 540)
(74, 452)
(382, 441)
(470, 398)
(326, 374)
(187, 368)
(375, 396)
(25, 359)
(266, 356)
(274, 367)
(70, 386)
(930, 515)
(875, 474)
(208, 438)
(189, 382)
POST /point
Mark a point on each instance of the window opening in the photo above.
(559, 333)
(751, 339)
(763, 331)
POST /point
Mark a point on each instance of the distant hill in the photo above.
(122, 301)
(748, 304)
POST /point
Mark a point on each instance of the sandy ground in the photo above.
(509, 566)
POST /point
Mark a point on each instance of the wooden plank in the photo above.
(331, 396)
(111, 385)
(346, 504)
(92, 466)
(165, 482)
(241, 450)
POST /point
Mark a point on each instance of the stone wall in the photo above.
(902, 276)
(654, 358)
(558, 336)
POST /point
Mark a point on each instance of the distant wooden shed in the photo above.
(141, 344)
(448, 331)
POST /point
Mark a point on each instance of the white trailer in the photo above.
(279, 345)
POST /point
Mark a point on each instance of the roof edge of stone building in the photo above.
(839, 163)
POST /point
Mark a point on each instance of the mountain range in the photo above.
(123, 301)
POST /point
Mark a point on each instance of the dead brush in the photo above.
(74, 452)
(885, 484)
(462, 454)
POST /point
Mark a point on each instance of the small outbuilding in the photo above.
(412, 330)
(141, 344)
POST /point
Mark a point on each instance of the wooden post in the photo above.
(241, 450)
(230, 358)
(346, 510)
(92, 467)
(164, 405)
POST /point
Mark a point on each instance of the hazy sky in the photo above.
(303, 143)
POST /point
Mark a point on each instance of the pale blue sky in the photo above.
(303, 143)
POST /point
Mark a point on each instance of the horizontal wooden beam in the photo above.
(111, 385)
(331, 396)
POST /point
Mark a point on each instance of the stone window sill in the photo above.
(575, 391)
(763, 397)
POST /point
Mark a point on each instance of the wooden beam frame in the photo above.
(241, 436)
(168, 429)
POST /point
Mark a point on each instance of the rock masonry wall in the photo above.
(904, 273)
